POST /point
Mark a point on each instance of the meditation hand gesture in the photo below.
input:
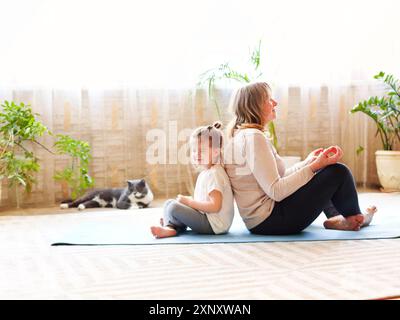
(184, 199)
(314, 155)
(326, 157)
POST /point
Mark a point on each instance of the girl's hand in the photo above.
(213, 205)
(327, 157)
(184, 199)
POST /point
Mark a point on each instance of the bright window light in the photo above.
(170, 42)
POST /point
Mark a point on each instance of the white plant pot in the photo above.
(388, 167)
(290, 160)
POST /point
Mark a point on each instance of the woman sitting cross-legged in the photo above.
(273, 199)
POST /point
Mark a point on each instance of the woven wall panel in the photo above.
(116, 123)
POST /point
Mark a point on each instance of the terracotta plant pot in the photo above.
(388, 167)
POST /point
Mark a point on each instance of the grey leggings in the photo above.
(179, 217)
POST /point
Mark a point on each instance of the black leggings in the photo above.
(333, 185)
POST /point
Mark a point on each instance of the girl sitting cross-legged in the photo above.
(211, 210)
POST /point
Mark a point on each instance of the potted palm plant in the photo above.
(225, 72)
(385, 112)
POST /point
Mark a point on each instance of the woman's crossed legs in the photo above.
(334, 183)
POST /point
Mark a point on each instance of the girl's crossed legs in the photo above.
(177, 217)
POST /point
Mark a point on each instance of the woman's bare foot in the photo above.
(352, 223)
(162, 232)
(356, 221)
(370, 211)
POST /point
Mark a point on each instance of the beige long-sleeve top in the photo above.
(258, 175)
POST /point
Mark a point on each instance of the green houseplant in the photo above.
(225, 72)
(76, 174)
(385, 112)
(19, 128)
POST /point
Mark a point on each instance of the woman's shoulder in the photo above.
(255, 136)
(250, 132)
(245, 134)
(244, 138)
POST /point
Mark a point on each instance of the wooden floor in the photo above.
(31, 269)
(54, 210)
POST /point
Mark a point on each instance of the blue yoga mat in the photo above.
(117, 227)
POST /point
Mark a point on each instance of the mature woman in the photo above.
(273, 199)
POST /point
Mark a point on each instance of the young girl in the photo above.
(211, 210)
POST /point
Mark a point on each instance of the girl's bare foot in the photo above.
(162, 232)
(352, 223)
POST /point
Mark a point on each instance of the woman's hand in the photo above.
(327, 157)
(313, 155)
(184, 199)
(335, 151)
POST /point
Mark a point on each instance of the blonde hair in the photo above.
(246, 104)
(212, 134)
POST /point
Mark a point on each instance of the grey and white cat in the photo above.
(136, 195)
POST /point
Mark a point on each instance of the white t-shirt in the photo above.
(211, 179)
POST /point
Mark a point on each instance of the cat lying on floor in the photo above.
(136, 195)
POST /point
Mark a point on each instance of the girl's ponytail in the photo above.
(217, 124)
